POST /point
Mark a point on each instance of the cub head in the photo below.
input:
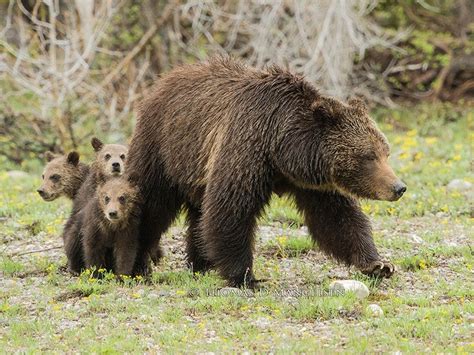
(355, 151)
(61, 176)
(110, 158)
(118, 198)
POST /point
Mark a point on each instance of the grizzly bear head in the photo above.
(338, 146)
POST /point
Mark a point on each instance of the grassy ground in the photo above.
(427, 305)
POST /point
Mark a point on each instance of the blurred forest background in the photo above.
(71, 69)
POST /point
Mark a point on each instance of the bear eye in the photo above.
(107, 156)
(369, 157)
(55, 178)
(121, 199)
(122, 157)
(42, 176)
(107, 199)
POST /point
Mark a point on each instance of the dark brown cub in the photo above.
(109, 225)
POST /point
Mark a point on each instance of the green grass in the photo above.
(427, 304)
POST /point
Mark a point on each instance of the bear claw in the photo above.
(383, 269)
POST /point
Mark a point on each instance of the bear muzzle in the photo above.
(399, 189)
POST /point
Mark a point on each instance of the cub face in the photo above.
(118, 199)
(58, 175)
(110, 158)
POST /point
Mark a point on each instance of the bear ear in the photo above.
(359, 104)
(96, 144)
(322, 110)
(133, 178)
(49, 156)
(73, 158)
(100, 178)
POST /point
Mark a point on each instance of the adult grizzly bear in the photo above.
(220, 137)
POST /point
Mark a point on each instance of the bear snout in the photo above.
(399, 189)
(45, 195)
(113, 215)
(116, 168)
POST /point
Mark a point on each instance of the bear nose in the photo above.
(400, 189)
(40, 191)
(113, 214)
(116, 166)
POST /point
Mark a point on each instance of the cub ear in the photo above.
(49, 156)
(96, 144)
(73, 158)
(322, 109)
(100, 178)
(133, 178)
(359, 104)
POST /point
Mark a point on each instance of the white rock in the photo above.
(375, 310)
(416, 239)
(17, 174)
(459, 185)
(343, 286)
(262, 323)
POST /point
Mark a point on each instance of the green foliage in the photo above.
(431, 43)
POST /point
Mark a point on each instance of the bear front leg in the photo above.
(230, 209)
(73, 245)
(95, 251)
(159, 213)
(194, 248)
(125, 253)
(340, 228)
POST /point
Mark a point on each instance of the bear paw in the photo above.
(382, 269)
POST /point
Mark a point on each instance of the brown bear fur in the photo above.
(110, 223)
(63, 175)
(106, 156)
(220, 137)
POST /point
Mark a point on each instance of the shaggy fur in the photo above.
(110, 223)
(220, 137)
(63, 175)
(106, 156)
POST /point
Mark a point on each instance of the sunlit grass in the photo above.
(427, 304)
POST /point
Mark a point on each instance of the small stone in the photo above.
(343, 286)
(17, 174)
(416, 239)
(262, 323)
(375, 310)
(459, 185)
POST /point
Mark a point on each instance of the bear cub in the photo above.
(110, 223)
(110, 162)
(63, 175)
